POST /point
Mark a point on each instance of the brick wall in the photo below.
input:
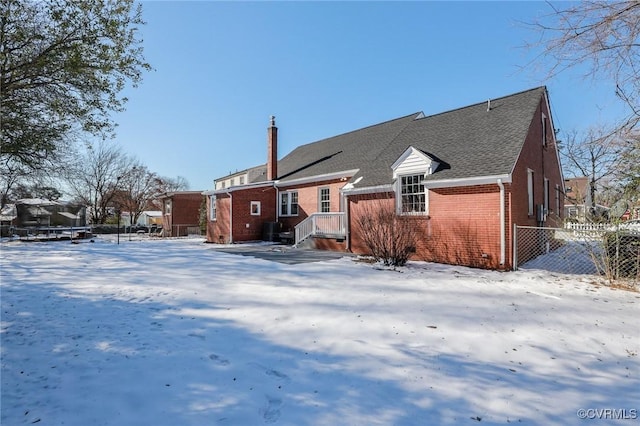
(544, 163)
(246, 226)
(218, 230)
(463, 226)
(308, 201)
(185, 211)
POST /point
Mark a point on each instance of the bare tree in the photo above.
(604, 36)
(628, 170)
(594, 155)
(95, 179)
(178, 183)
(137, 189)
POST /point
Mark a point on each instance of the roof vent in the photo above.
(488, 105)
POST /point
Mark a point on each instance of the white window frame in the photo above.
(212, 208)
(400, 207)
(558, 212)
(530, 188)
(254, 208)
(289, 195)
(322, 202)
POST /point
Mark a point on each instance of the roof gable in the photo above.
(414, 161)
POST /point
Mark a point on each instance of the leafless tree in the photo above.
(137, 188)
(178, 183)
(628, 170)
(96, 177)
(594, 155)
(602, 35)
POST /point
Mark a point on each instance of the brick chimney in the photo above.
(272, 150)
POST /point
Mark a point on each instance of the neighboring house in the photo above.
(181, 213)
(465, 176)
(577, 198)
(577, 203)
(36, 212)
(151, 217)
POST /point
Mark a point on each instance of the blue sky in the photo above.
(325, 68)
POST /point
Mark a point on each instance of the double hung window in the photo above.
(412, 194)
(289, 203)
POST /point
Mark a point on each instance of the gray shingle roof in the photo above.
(468, 142)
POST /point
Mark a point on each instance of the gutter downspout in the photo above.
(345, 210)
(502, 223)
(277, 201)
(230, 217)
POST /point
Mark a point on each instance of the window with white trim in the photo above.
(324, 200)
(255, 208)
(558, 211)
(289, 203)
(167, 207)
(212, 208)
(412, 194)
(530, 191)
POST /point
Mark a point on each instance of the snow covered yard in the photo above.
(172, 332)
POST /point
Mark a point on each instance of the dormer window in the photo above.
(412, 194)
(410, 171)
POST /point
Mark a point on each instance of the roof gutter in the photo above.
(317, 178)
(368, 190)
(480, 180)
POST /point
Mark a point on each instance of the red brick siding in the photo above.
(463, 226)
(544, 163)
(247, 227)
(218, 230)
(330, 244)
(309, 199)
(185, 211)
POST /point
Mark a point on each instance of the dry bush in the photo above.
(391, 238)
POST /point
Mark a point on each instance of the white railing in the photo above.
(321, 224)
(589, 226)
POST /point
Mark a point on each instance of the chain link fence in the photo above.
(612, 252)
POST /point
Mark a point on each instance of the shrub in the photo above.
(391, 238)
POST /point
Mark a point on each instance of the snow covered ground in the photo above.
(173, 332)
